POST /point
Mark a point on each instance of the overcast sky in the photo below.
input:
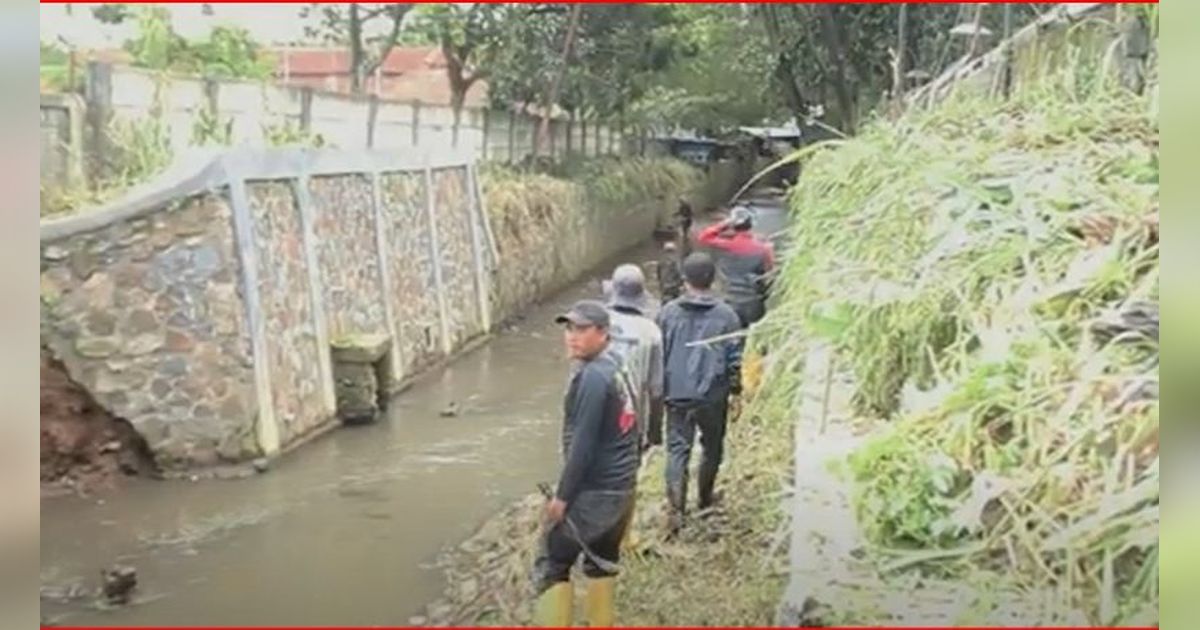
(267, 23)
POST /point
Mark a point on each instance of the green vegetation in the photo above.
(989, 272)
(227, 53)
(138, 151)
(54, 70)
(519, 197)
(727, 569)
(288, 133)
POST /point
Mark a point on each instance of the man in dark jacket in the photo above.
(744, 262)
(702, 356)
(593, 502)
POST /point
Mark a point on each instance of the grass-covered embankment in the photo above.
(727, 569)
(552, 228)
(989, 273)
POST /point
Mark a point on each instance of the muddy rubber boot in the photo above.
(677, 500)
(598, 605)
(704, 486)
(554, 606)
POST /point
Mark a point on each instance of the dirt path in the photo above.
(84, 448)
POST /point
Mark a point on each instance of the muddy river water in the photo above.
(346, 529)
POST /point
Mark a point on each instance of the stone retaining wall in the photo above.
(147, 315)
(146, 302)
(146, 305)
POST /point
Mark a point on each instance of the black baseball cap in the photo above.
(585, 313)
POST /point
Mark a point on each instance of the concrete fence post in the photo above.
(387, 288)
(416, 123)
(583, 144)
(477, 221)
(212, 106)
(487, 130)
(306, 100)
(512, 136)
(98, 93)
(435, 245)
(570, 135)
(372, 117)
(485, 219)
(243, 225)
(316, 291)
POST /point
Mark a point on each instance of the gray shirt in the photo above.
(637, 340)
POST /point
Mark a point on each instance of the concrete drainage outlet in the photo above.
(362, 377)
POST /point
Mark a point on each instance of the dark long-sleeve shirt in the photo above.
(699, 372)
(599, 438)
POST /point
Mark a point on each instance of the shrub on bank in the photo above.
(606, 182)
(989, 272)
(551, 229)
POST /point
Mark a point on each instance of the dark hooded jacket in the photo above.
(704, 372)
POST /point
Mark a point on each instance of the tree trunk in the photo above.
(357, 54)
(784, 65)
(837, 59)
(975, 36)
(552, 93)
(456, 105)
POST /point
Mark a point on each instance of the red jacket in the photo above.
(743, 260)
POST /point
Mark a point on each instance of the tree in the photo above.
(469, 38)
(227, 52)
(785, 65)
(518, 73)
(370, 31)
(112, 13)
(718, 74)
(551, 96)
(831, 34)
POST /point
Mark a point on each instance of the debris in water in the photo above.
(261, 465)
(450, 411)
(119, 582)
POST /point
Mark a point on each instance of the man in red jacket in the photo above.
(743, 261)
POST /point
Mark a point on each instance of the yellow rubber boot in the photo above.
(554, 607)
(752, 370)
(598, 607)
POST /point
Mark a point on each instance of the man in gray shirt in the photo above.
(637, 340)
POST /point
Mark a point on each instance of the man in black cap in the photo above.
(594, 500)
(702, 354)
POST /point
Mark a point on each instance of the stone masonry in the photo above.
(203, 310)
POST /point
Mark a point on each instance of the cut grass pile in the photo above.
(989, 271)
